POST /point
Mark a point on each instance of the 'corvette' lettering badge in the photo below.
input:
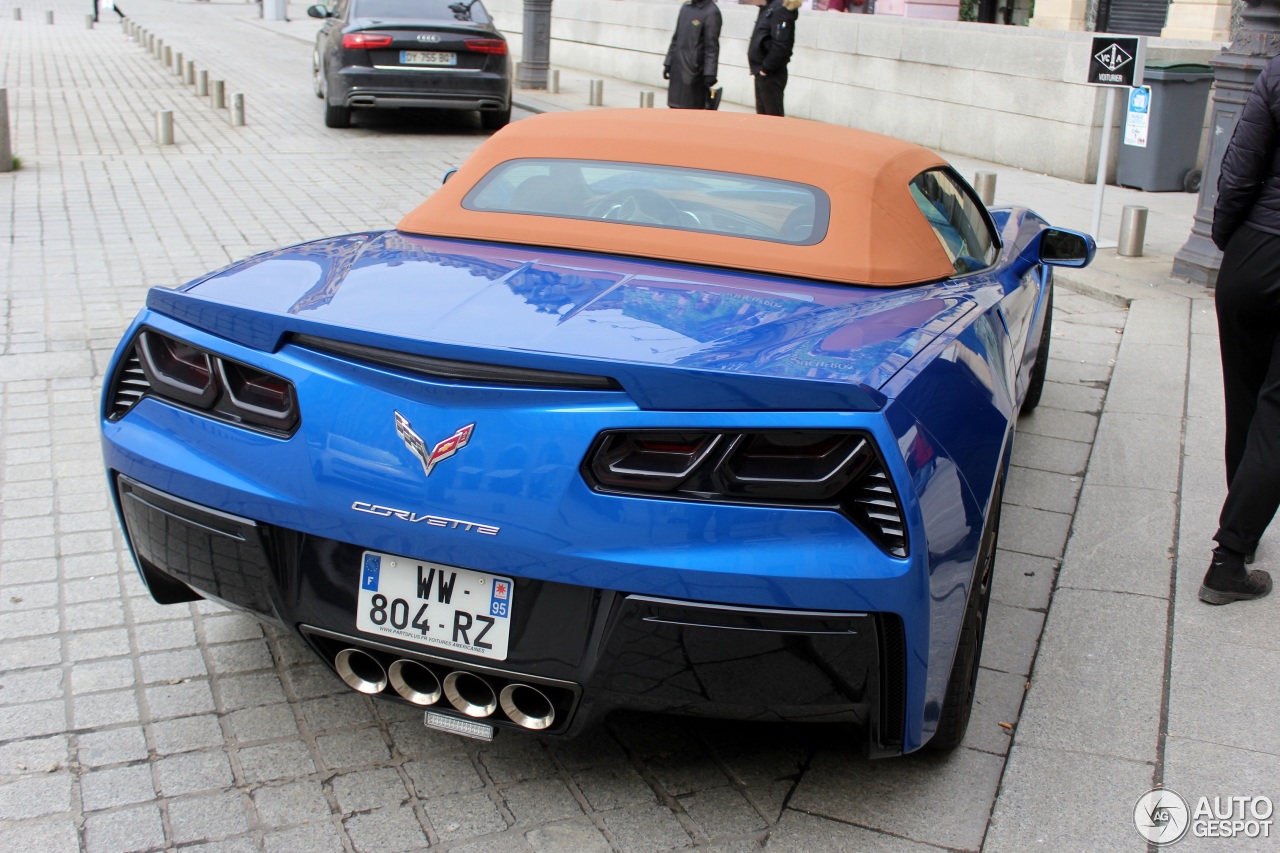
(419, 518)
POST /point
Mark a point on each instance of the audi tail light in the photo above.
(181, 373)
(364, 41)
(819, 469)
(494, 46)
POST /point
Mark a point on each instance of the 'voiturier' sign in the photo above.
(1117, 60)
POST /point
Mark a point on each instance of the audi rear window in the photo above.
(672, 197)
(427, 10)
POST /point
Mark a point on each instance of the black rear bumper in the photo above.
(588, 651)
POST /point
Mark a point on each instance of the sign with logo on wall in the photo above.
(1117, 60)
(1138, 117)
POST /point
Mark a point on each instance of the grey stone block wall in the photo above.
(1012, 95)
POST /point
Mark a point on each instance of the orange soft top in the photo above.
(876, 236)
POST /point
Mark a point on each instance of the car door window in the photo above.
(957, 219)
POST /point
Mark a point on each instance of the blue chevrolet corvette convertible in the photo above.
(682, 411)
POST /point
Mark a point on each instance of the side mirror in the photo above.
(447, 175)
(1063, 248)
(318, 11)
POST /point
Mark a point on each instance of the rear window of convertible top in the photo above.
(657, 196)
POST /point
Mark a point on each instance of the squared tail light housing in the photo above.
(835, 470)
(183, 374)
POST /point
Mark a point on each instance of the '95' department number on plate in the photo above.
(435, 605)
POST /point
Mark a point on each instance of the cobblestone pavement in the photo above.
(129, 726)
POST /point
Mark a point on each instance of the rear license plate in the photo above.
(427, 57)
(435, 605)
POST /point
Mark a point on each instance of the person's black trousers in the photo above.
(1248, 303)
(769, 93)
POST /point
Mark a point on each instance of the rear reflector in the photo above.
(466, 728)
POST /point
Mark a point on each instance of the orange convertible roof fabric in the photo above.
(877, 235)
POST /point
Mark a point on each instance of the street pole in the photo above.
(537, 45)
(1234, 72)
(1104, 155)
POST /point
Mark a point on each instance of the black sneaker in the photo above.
(1228, 580)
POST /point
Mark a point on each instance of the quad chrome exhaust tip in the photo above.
(470, 694)
(414, 682)
(360, 670)
(527, 706)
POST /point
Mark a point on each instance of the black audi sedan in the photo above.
(395, 54)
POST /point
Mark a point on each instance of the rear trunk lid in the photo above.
(674, 337)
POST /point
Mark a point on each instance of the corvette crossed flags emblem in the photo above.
(442, 450)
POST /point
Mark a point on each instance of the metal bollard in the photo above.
(168, 56)
(6, 152)
(985, 185)
(88, 22)
(164, 127)
(595, 93)
(218, 94)
(202, 84)
(17, 14)
(237, 109)
(189, 72)
(48, 17)
(1133, 231)
(646, 100)
(177, 63)
(555, 81)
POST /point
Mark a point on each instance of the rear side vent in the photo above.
(874, 503)
(893, 679)
(130, 385)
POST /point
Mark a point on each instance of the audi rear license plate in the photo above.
(427, 57)
(435, 605)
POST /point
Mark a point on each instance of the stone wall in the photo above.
(1011, 95)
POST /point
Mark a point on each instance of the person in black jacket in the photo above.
(693, 59)
(769, 51)
(1246, 226)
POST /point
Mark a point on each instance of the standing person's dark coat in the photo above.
(1246, 226)
(694, 57)
(769, 51)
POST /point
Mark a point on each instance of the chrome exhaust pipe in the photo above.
(527, 706)
(360, 670)
(414, 682)
(470, 694)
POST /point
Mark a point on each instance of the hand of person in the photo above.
(666, 73)
(708, 80)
